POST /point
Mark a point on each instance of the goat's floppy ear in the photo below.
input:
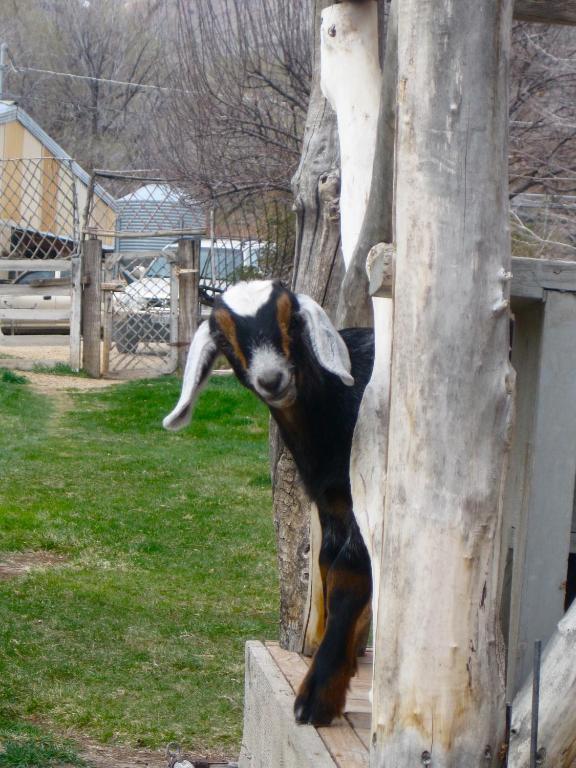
(328, 345)
(201, 357)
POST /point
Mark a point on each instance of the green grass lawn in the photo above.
(169, 565)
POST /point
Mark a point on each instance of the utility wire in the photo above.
(124, 83)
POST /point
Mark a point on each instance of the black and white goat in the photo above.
(284, 348)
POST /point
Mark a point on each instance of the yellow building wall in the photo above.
(11, 193)
(37, 190)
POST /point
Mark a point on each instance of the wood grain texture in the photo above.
(23, 265)
(347, 747)
(531, 277)
(34, 340)
(76, 314)
(545, 11)
(91, 306)
(188, 260)
(354, 306)
(439, 657)
(271, 736)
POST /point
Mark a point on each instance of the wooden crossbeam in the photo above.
(35, 315)
(546, 11)
(25, 265)
(34, 290)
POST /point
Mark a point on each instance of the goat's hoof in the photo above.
(318, 704)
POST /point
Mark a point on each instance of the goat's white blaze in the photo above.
(266, 364)
(246, 298)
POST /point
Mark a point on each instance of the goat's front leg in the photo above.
(322, 694)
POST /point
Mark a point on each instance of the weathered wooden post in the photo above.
(439, 685)
(91, 305)
(318, 271)
(188, 265)
(76, 312)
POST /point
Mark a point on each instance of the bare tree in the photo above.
(241, 85)
(98, 122)
(543, 141)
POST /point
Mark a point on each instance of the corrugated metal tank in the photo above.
(152, 208)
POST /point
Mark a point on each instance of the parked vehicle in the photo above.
(41, 296)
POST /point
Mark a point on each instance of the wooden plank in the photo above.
(546, 11)
(175, 233)
(531, 277)
(271, 735)
(525, 359)
(361, 723)
(345, 746)
(76, 315)
(543, 537)
(33, 265)
(293, 666)
(34, 340)
(35, 315)
(34, 290)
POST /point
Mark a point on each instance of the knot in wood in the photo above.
(380, 269)
(329, 186)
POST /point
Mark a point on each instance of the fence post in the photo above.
(76, 313)
(91, 305)
(188, 262)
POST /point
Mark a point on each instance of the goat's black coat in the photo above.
(329, 409)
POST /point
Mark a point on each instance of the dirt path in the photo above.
(48, 383)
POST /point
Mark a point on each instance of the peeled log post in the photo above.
(370, 444)
(355, 306)
(439, 683)
(318, 271)
(557, 726)
(351, 80)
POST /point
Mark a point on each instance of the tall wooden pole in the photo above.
(91, 306)
(188, 263)
(439, 686)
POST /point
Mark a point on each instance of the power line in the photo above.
(124, 83)
(70, 75)
(76, 105)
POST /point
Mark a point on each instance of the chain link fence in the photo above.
(140, 305)
(39, 203)
(237, 241)
(140, 314)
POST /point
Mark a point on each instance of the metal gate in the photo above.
(140, 314)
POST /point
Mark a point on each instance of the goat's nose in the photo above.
(271, 382)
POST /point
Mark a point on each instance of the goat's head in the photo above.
(264, 330)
